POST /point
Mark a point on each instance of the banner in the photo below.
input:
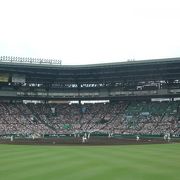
(53, 110)
(18, 78)
(145, 113)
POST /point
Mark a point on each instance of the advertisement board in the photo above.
(4, 77)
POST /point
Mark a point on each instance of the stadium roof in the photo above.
(155, 69)
(59, 65)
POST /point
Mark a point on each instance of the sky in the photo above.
(90, 31)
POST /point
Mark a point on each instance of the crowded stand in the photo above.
(144, 118)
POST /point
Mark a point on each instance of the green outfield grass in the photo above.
(133, 162)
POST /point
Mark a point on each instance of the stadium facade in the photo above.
(26, 78)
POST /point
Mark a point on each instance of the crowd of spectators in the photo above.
(121, 118)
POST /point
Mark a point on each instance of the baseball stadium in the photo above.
(107, 121)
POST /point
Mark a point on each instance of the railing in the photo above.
(12, 59)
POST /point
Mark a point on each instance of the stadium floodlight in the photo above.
(13, 59)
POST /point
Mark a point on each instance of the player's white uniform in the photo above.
(84, 139)
(165, 136)
(137, 138)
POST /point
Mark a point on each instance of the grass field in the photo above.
(133, 162)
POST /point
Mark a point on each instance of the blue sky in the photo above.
(90, 31)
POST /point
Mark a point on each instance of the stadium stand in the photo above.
(154, 118)
(129, 87)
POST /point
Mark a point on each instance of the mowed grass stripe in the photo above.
(103, 162)
(39, 169)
